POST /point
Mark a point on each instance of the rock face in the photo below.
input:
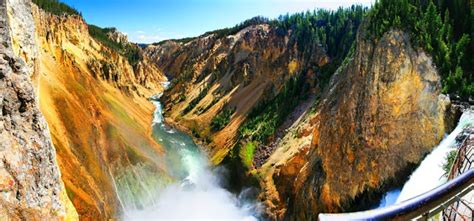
(30, 181)
(381, 114)
(212, 73)
(117, 36)
(96, 105)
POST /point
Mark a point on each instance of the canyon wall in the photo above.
(96, 105)
(30, 179)
(237, 72)
(380, 114)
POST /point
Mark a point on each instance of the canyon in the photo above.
(385, 100)
(259, 121)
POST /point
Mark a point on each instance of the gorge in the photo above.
(198, 190)
(323, 111)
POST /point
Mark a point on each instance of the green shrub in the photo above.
(56, 7)
(130, 51)
(196, 100)
(247, 154)
(443, 29)
(265, 118)
(449, 160)
(222, 119)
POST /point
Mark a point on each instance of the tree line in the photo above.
(56, 7)
(442, 28)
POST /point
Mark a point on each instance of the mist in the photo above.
(196, 193)
(430, 173)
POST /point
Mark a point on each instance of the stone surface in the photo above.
(381, 114)
(238, 70)
(96, 105)
(30, 180)
(118, 36)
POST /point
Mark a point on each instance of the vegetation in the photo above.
(449, 162)
(222, 119)
(443, 30)
(227, 31)
(196, 100)
(264, 119)
(246, 154)
(130, 51)
(201, 110)
(181, 40)
(222, 32)
(232, 31)
(56, 7)
(334, 30)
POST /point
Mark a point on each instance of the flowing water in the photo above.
(389, 198)
(196, 194)
(190, 189)
(429, 173)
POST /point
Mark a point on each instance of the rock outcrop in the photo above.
(117, 36)
(238, 71)
(380, 114)
(96, 105)
(30, 180)
(379, 117)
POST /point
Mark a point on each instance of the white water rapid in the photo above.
(197, 194)
(429, 174)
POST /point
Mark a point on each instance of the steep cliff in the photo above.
(233, 74)
(382, 107)
(30, 180)
(96, 106)
(380, 115)
(253, 95)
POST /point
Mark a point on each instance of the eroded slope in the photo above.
(96, 105)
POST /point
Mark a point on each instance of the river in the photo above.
(197, 194)
(429, 173)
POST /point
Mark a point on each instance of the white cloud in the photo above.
(154, 35)
(144, 38)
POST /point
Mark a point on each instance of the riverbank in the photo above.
(197, 193)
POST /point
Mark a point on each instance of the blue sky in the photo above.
(147, 21)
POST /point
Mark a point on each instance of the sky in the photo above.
(148, 21)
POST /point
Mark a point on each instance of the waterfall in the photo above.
(429, 174)
(196, 194)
